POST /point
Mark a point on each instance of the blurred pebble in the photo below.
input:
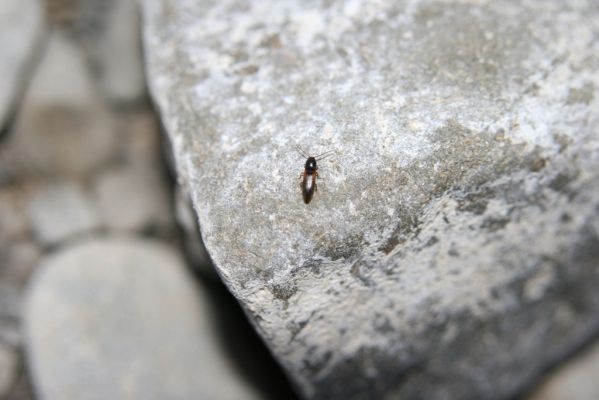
(134, 198)
(64, 128)
(13, 221)
(10, 301)
(140, 135)
(8, 368)
(21, 25)
(17, 261)
(10, 332)
(117, 53)
(109, 33)
(121, 318)
(61, 211)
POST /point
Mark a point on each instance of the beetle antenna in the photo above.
(324, 155)
(299, 150)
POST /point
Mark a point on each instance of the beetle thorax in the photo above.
(311, 166)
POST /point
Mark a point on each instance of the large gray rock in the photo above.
(122, 319)
(21, 26)
(452, 250)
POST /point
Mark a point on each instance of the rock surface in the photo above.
(21, 26)
(121, 318)
(452, 248)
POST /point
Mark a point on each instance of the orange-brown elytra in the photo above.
(310, 174)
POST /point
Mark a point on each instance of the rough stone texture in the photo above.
(61, 211)
(120, 318)
(452, 248)
(21, 25)
(577, 380)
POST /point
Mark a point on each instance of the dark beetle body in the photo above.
(309, 176)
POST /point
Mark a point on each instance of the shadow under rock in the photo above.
(241, 342)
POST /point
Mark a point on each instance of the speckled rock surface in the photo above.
(21, 26)
(452, 249)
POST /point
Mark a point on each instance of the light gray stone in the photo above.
(451, 250)
(121, 318)
(134, 198)
(8, 369)
(64, 128)
(576, 380)
(21, 27)
(61, 211)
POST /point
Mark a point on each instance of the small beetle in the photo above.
(308, 177)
